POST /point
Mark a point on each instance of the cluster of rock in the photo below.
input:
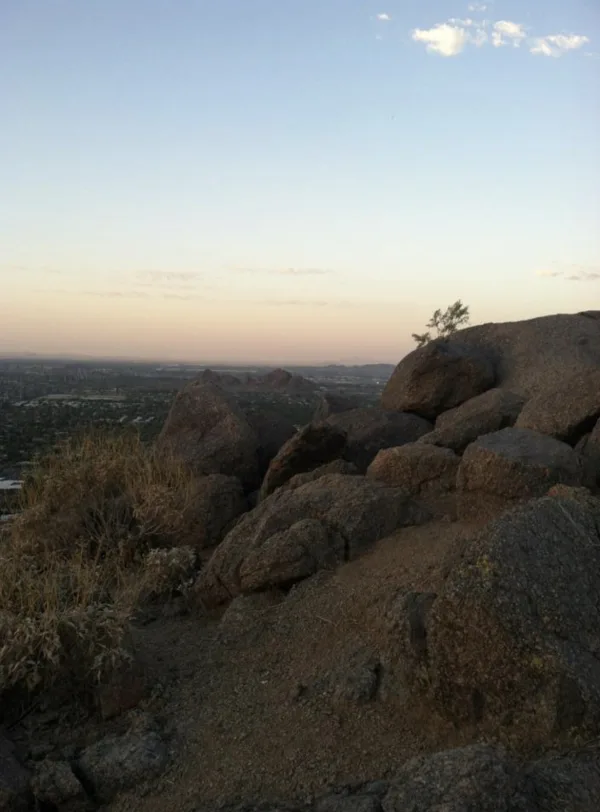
(498, 426)
(278, 380)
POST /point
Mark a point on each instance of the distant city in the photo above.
(44, 401)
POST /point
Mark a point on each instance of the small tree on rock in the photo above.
(446, 323)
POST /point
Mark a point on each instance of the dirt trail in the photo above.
(233, 697)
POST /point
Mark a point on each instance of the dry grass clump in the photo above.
(98, 533)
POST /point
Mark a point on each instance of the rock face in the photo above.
(568, 412)
(293, 533)
(14, 780)
(513, 635)
(334, 403)
(437, 377)
(370, 429)
(218, 502)
(568, 784)
(478, 778)
(590, 454)
(493, 410)
(206, 428)
(418, 468)
(509, 466)
(312, 446)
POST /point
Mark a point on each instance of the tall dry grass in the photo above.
(105, 525)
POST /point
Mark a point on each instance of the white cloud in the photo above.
(443, 39)
(477, 7)
(383, 17)
(452, 37)
(557, 44)
(506, 32)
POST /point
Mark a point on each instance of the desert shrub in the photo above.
(99, 533)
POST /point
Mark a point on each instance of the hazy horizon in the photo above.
(287, 184)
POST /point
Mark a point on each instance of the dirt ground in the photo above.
(239, 697)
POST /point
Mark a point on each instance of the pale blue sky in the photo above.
(301, 180)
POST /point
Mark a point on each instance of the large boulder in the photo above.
(567, 413)
(437, 377)
(217, 503)
(370, 429)
(536, 356)
(293, 533)
(422, 470)
(491, 411)
(477, 778)
(513, 634)
(334, 403)
(511, 465)
(207, 429)
(311, 447)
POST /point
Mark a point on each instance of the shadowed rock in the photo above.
(370, 429)
(311, 447)
(513, 634)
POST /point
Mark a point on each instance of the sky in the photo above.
(292, 181)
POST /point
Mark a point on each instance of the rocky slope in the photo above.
(397, 609)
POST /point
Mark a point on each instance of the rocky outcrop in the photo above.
(294, 533)
(509, 466)
(207, 429)
(438, 377)
(513, 635)
(529, 358)
(55, 786)
(420, 469)
(312, 446)
(569, 411)
(493, 410)
(370, 429)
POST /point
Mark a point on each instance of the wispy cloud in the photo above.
(556, 45)
(451, 37)
(478, 7)
(31, 269)
(384, 17)
(572, 273)
(114, 294)
(505, 32)
(168, 278)
(286, 271)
